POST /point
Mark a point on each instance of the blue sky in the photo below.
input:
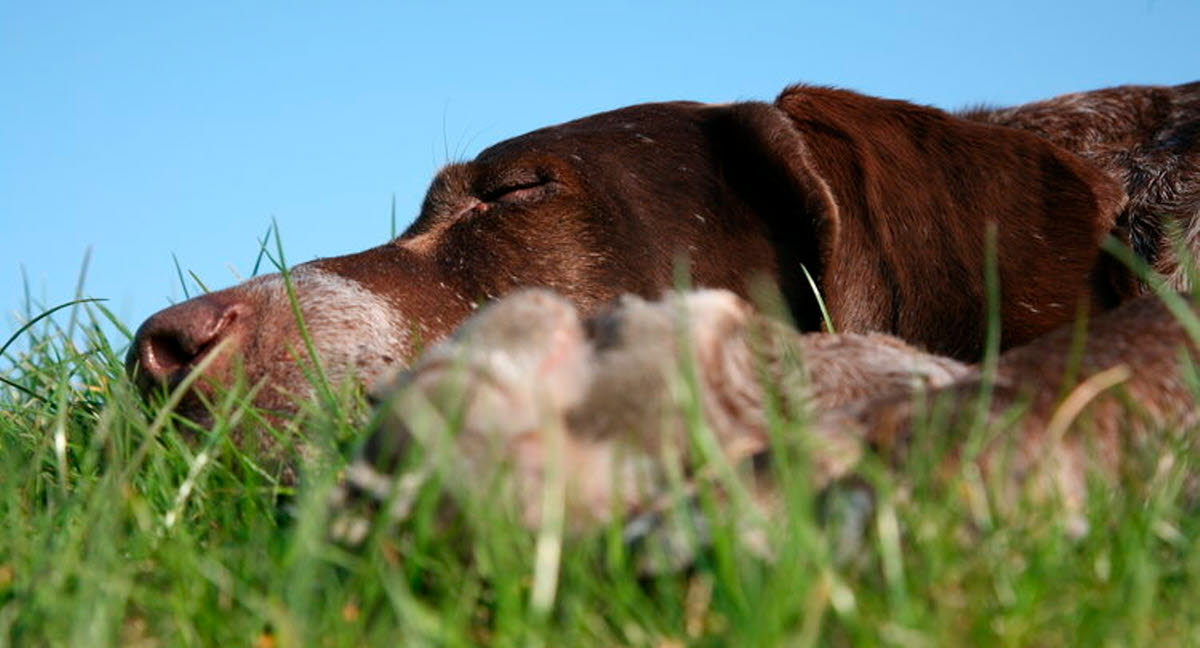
(139, 130)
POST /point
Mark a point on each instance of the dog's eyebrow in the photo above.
(451, 184)
(455, 177)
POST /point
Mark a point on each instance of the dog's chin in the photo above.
(271, 430)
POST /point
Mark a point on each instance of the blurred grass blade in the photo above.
(262, 249)
(179, 273)
(47, 313)
(83, 270)
(829, 328)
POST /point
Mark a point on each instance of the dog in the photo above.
(883, 203)
(528, 390)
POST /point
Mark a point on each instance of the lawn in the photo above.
(121, 524)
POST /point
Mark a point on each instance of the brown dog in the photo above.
(885, 203)
(528, 388)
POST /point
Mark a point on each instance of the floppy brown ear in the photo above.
(762, 158)
(906, 194)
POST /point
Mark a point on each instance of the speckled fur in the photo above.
(1148, 138)
(614, 407)
(522, 378)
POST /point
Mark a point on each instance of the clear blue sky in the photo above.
(145, 129)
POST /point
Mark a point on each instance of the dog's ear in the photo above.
(762, 158)
(896, 200)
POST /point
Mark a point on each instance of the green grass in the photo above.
(122, 525)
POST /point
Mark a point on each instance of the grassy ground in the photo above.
(120, 525)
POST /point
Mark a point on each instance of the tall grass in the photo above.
(121, 524)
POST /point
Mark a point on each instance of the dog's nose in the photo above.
(169, 344)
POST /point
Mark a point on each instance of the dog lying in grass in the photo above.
(883, 203)
(621, 413)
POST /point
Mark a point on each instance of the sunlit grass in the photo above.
(121, 524)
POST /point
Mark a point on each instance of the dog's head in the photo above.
(884, 203)
(593, 208)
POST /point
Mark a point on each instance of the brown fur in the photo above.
(1055, 415)
(884, 202)
(1148, 137)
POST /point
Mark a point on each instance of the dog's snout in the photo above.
(172, 342)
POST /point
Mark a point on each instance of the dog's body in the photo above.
(885, 203)
(1148, 137)
(1074, 404)
(530, 388)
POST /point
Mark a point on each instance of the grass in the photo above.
(123, 525)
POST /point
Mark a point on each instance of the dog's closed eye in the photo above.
(519, 187)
